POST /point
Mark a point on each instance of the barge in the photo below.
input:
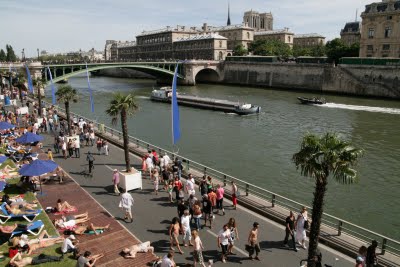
(164, 94)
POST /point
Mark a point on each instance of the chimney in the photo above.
(205, 27)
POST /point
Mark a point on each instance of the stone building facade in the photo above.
(308, 40)
(283, 35)
(258, 21)
(201, 46)
(380, 34)
(235, 34)
(351, 34)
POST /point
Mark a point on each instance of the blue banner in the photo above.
(53, 89)
(176, 131)
(90, 90)
(28, 74)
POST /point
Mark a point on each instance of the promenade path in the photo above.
(153, 214)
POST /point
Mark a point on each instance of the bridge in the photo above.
(189, 72)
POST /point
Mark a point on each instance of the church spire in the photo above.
(228, 23)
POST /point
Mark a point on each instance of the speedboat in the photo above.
(311, 101)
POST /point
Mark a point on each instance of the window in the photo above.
(388, 17)
(386, 47)
(220, 44)
(388, 32)
(371, 33)
(370, 47)
(248, 35)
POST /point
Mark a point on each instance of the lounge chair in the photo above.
(33, 228)
(8, 215)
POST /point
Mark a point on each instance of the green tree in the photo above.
(299, 51)
(10, 54)
(270, 48)
(123, 106)
(353, 50)
(240, 50)
(3, 56)
(336, 49)
(320, 156)
(318, 51)
(66, 94)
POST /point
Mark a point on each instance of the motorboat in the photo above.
(311, 101)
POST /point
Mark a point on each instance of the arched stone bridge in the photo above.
(189, 72)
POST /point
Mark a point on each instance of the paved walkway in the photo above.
(153, 214)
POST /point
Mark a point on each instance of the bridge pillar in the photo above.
(63, 71)
(55, 73)
(189, 73)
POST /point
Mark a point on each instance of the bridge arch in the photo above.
(207, 75)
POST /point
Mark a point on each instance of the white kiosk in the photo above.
(130, 180)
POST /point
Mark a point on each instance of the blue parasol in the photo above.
(2, 185)
(3, 158)
(5, 125)
(29, 138)
(38, 167)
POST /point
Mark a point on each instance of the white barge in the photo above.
(164, 94)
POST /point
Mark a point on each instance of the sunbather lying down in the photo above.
(8, 229)
(83, 229)
(17, 201)
(18, 261)
(20, 209)
(70, 221)
(44, 240)
(64, 206)
(144, 247)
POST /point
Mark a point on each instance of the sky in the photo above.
(62, 26)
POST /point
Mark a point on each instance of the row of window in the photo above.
(384, 47)
(152, 40)
(387, 32)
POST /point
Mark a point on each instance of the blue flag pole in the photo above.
(28, 74)
(176, 132)
(90, 90)
(53, 89)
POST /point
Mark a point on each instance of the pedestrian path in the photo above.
(153, 214)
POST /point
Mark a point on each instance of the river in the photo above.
(259, 148)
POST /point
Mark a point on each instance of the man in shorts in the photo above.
(126, 203)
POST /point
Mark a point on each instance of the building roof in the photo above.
(201, 37)
(352, 27)
(308, 35)
(126, 44)
(231, 27)
(170, 29)
(286, 30)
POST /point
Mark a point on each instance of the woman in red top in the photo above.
(177, 187)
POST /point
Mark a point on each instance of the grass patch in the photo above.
(55, 250)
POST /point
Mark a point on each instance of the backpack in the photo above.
(306, 225)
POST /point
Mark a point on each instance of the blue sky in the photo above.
(62, 26)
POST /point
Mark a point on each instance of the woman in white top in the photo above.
(301, 231)
(197, 249)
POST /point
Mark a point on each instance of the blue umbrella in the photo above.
(3, 158)
(2, 185)
(37, 168)
(5, 125)
(29, 138)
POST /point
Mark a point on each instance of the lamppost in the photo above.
(23, 54)
(38, 54)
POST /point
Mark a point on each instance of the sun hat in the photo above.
(72, 237)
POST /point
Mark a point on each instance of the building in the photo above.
(308, 40)
(235, 34)
(283, 35)
(351, 34)
(258, 21)
(380, 29)
(107, 49)
(126, 50)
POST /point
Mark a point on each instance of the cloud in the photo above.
(61, 26)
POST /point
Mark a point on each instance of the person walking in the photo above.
(234, 191)
(206, 203)
(115, 180)
(197, 249)
(70, 146)
(185, 223)
(77, 146)
(190, 185)
(253, 242)
(156, 180)
(220, 198)
(234, 235)
(174, 231)
(223, 241)
(289, 230)
(126, 204)
(301, 225)
(372, 260)
(90, 159)
(64, 149)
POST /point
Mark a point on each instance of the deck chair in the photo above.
(7, 216)
(34, 228)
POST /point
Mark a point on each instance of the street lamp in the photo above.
(23, 55)
(38, 54)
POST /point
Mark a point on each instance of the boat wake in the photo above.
(363, 108)
(142, 97)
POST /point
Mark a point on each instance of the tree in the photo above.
(3, 56)
(240, 50)
(320, 156)
(318, 51)
(123, 106)
(11, 57)
(39, 84)
(270, 48)
(336, 49)
(66, 94)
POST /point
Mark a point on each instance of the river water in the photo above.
(259, 148)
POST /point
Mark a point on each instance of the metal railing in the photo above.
(336, 225)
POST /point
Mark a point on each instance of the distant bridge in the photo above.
(189, 72)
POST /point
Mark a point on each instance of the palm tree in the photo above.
(66, 94)
(320, 156)
(123, 106)
(40, 84)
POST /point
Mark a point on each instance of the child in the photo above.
(170, 189)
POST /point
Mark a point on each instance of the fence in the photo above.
(338, 225)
